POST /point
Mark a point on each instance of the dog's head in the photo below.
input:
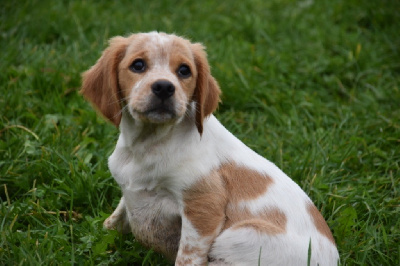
(155, 76)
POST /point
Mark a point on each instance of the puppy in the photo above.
(191, 190)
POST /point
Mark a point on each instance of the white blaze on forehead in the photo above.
(159, 45)
(160, 38)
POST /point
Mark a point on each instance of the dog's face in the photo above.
(155, 76)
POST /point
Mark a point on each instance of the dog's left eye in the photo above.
(184, 71)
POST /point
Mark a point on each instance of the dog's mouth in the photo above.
(161, 113)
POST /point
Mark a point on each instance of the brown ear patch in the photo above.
(320, 222)
(206, 94)
(100, 83)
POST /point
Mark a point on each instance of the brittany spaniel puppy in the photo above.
(191, 190)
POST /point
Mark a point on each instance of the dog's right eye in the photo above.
(138, 66)
(184, 71)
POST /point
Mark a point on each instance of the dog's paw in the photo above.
(111, 222)
(117, 222)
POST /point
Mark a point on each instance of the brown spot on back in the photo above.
(243, 183)
(261, 226)
(272, 221)
(206, 202)
(320, 222)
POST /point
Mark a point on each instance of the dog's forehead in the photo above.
(160, 39)
(159, 43)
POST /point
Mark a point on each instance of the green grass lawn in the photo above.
(311, 85)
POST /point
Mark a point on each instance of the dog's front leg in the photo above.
(194, 244)
(118, 219)
(203, 216)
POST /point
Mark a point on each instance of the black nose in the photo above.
(163, 89)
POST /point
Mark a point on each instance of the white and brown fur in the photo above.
(191, 190)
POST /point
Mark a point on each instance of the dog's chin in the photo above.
(157, 116)
(160, 116)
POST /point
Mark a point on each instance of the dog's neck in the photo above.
(153, 153)
(134, 131)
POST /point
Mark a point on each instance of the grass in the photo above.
(311, 85)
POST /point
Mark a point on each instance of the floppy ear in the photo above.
(100, 83)
(206, 94)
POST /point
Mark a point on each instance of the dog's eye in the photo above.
(138, 66)
(184, 71)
